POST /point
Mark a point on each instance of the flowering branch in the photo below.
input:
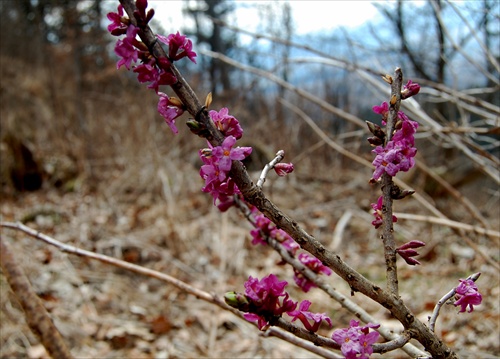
(398, 153)
(344, 301)
(387, 189)
(468, 296)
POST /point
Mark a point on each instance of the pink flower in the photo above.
(178, 42)
(398, 154)
(305, 316)
(313, 264)
(410, 89)
(356, 340)
(383, 109)
(125, 48)
(290, 245)
(467, 295)
(263, 226)
(169, 111)
(150, 73)
(140, 14)
(377, 212)
(267, 299)
(217, 182)
(226, 123)
(226, 154)
(406, 132)
(386, 160)
(119, 24)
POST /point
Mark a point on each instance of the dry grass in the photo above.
(137, 196)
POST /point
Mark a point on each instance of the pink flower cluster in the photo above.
(215, 170)
(268, 299)
(377, 212)
(305, 316)
(355, 341)
(217, 161)
(265, 228)
(398, 153)
(154, 71)
(313, 264)
(467, 295)
(265, 300)
(227, 124)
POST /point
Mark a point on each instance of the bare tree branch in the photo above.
(36, 315)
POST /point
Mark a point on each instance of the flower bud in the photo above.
(208, 100)
(197, 128)
(149, 15)
(394, 99)
(282, 169)
(376, 130)
(237, 300)
(206, 152)
(410, 89)
(375, 141)
(398, 193)
(176, 102)
(387, 78)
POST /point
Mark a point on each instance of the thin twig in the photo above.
(440, 303)
(339, 229)
(37, 317)
(449, 223)
(269, 166)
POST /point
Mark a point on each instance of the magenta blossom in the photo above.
(217, 182)
(383, 109)
(394, 157)
(119, 24)
(398, 154)
(267, 298)
(356, 341)
(265, 228)
(227, 124)
(226, 154)
(286, 241)
(178, 46)
(410, 89)
(377, 212)
(305, 316)
(126, 48)
(467, 295)
(169, 110)
(148, 72)
(313, 264)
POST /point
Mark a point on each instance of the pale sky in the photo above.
(308, 16)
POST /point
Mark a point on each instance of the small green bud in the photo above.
(236, 300)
